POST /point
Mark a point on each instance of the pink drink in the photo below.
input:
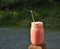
(37, 33)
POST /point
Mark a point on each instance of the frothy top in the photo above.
(37, 23)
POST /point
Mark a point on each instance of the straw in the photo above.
(32, 15)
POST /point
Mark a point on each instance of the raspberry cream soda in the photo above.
(37, 33)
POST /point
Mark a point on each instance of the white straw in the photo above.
(32, 15)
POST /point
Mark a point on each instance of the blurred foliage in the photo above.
(11, 4)
(16, 13)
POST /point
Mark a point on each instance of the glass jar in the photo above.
(37, 33)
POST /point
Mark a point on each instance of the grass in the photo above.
(22, 17)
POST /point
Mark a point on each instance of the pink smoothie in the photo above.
(37, 33)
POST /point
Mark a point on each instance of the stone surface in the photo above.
(37, 47)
